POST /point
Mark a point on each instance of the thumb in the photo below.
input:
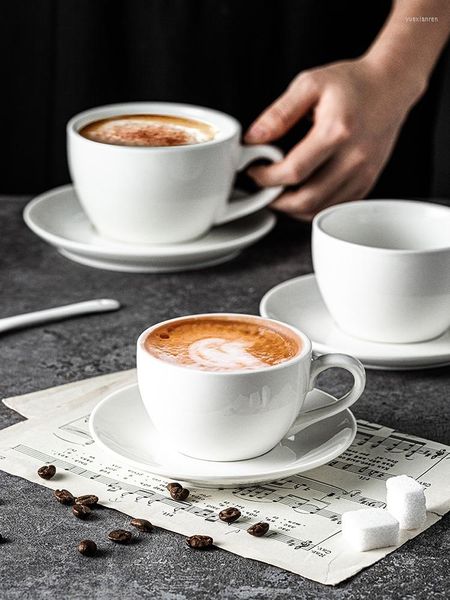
(289, 108)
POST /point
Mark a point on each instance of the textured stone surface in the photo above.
(39, 557)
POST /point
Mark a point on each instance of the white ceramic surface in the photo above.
(236, 414)
(298, 302)
(58, 312)
(139, 444)
(57, 217)
(162, 194)
(383, 268)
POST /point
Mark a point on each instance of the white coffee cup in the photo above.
(236, 415)
(162, 194)
(383, 268)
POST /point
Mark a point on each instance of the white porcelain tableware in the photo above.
(298, 302)
(166, 194)
(239, 414)
(58, 313)
(383, 268)
(139, 444)
(57, 217)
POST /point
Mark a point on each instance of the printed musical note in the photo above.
(76, 431)
(304, 510)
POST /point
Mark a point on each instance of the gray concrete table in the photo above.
(38, 558)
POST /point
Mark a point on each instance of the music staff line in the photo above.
(397, 443)
(323, 492)
(115, 485)
(392, 442)
(308, 496)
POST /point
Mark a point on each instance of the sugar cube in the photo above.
(369, 528)
(405, 500)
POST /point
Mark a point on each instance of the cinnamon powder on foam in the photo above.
(148, 130)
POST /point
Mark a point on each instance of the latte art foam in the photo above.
(217, 353)
(222, 344)
(148, 130)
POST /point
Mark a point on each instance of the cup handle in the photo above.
(322, 363)
(253, 202)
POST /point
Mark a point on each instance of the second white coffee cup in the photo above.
(164, 194)
(383, 268)
(241, 414)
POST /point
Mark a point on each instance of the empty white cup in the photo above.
(383, 268)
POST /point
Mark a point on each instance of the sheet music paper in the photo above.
(304, 511)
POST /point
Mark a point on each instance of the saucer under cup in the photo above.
(120, 425)
(298, 302)
(57, 217)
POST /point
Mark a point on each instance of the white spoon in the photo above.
(57, 313)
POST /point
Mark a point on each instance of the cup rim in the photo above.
(304, 352)
(89, 115)
(318, 226)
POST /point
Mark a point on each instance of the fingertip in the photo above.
(288, 202)
(256, 134)
(263, 175)
(297, 206)
(254, 173)
(248, 137)
(284, 204)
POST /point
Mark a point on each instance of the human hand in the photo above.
(357, 109)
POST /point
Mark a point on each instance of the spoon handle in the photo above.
(57, 313)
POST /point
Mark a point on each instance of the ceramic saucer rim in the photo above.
(114, 249)
(391, 363)
(130, 267)
(219, 480)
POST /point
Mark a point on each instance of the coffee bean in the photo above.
(120, 536)
(174, 485)
(47, 471)
(178, 492)
(87, 547)
(181, 495)
(258, 529)
(141, 524)
(87, 500)
(81, 511)
(64, 496)
(229, 515)
(199, 541)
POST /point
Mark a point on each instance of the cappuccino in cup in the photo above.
(148, 130)
(227, 387)
(160, 172)
(223, 344)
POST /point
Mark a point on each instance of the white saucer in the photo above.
(57, 217)
(298, 302)
(121, 426)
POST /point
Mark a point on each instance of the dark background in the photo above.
(61, 57)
